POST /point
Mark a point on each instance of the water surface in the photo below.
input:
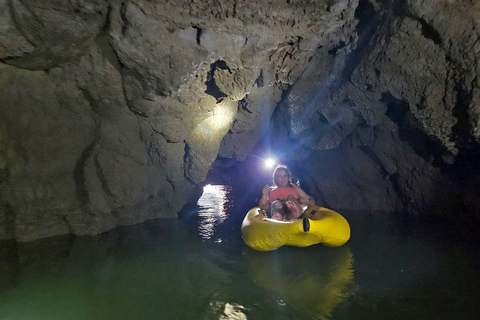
(197, 267)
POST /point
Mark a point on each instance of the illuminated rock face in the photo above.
(112, 112)
(390, 121)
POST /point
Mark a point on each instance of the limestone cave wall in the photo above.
(390, 120)
(112, 112)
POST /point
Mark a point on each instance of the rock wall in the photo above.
(389, 121)
(113, 111)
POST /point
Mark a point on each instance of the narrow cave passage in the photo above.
(115, 115)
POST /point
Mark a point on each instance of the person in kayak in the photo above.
(282, 200)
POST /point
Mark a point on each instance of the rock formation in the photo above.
(392, 117)
(112, 112)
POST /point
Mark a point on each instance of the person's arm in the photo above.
(265, 199)
(304, 197)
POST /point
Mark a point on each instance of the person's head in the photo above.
(282, 177)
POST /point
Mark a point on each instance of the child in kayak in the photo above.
(282, 200)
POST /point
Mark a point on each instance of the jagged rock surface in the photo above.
(112, 112)
(393, 126)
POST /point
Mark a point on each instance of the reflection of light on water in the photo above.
(227, 310)
(280, 302)
(213, 206)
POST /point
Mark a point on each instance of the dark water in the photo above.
(198, 268)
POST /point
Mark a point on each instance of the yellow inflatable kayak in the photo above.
(321, 225)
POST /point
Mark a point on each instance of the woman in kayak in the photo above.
(282, 200)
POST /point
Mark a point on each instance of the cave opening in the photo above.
(246, 177)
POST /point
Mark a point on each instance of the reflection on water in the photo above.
(226, 310)
(213, 206)
(313, 285)
(166, 270)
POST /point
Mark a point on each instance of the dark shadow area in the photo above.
(462, 131)
(430, 33)
(368, 23)
(410, 131)
(363, 13)
(212, 88)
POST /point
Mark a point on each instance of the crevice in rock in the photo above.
(106, 25)
(12, 61)
(429, 32)
(172, 183)
(462, 131)
(103, 43)
(128, 72)
(396, 108)
(259, 80)
(244, 105)
(79, 178)
(212, 88)
(234, 14)
(410, 131)
(322, 119)
(163, 135)
(422, 104)
(363, 13)
(187, 163)
(369, 21)
(220, 64)
(198, 36)
(186, 154)
(89, 98)
(109, 52)
(334, 50)
(135, 111)
(395, 181)
(123, 16)
(101, 177)
(285, 92)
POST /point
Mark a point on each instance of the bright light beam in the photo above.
(269, 163)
